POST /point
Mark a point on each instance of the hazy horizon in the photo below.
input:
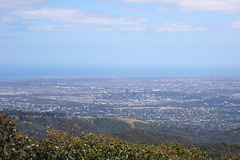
(86, 71)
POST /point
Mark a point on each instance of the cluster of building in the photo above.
(202, 102)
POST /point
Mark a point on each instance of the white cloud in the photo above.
(68, 28)
(77, 20)
(164, 9)
(133, 1)
(20, 4)
(129, 9)
(76, 16)
(133, 29)
(176, 27)
(7, 20)
(6, 37)
(223, 6)
(165, 27)
(236, 24)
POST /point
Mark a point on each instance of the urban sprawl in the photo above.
(211, 103)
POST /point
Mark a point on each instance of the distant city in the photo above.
(211, 103)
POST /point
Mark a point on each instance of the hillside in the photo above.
(148, 137)
(62, 145)
(218, 150)
(133, 131)
(33, 123)
(108, 124)
(231, 136)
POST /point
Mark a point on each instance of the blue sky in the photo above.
(196, 33)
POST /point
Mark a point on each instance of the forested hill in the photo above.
(134, 131)
(148, 137)
(34, 124)
(63, 145)
(231, 136)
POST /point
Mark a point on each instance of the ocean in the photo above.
(87, 71)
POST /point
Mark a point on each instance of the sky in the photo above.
(180, 33)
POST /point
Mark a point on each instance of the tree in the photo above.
(12, 142)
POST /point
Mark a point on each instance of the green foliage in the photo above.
(12, 142)
(148, 137)
(110, 124)
(218, 150)
(144, 133)
(63, 145)
(34, 123)
(231, 136)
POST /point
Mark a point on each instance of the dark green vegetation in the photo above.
(148, 137)
(34, 123)
(132, 131)
(231, 136)
(65, 145)
(216, 150)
